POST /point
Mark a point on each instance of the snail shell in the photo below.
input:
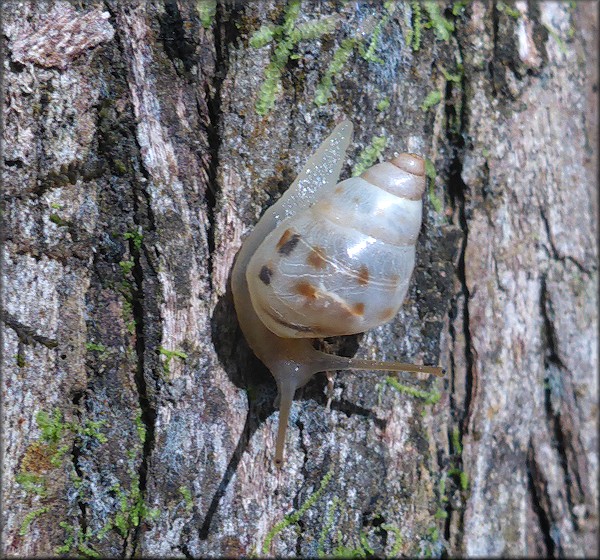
(341, 265)
(328, 259)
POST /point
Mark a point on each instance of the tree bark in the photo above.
(141, 143)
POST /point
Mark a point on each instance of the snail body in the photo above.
(328, 259)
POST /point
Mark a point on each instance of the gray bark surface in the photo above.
(136, 157)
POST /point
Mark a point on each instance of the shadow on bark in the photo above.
(246, 372)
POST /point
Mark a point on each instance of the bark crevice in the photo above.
(554, 251)
(76, 453)
(536, 486)
(462, 370)
(26, 333)
(561, 412)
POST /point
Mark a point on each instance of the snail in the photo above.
(328, 259)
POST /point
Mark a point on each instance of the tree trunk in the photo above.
(141, 143)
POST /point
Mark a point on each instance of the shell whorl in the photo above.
(403, 176)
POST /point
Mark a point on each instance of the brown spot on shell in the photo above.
(363, 275)
(358, 309)
(306, 289)
(324, 206)
(387, 314)
(287, 242)
(338, 190)
(393, 281)
(316, 258)
(265, 275)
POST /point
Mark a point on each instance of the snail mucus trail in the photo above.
(328, 259)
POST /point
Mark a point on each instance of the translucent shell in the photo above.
(341, 264)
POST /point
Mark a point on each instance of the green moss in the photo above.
(432, 99)
(395, 552)
(459, 6)
(288, 34)
(207, 10)
(327, 526)
(456, 445)
(434, 199)
(93, 347)
(369, 155)
(290, 16)
(92, 429)
(67, 545)
(187, 498)
(462, 476)
(364, 543)
(436, 202)
(485, 153)
(433, 533)
(127, 265)
(343, 53)
(361, 550)
(30, 517)
(52, 426)
(272, 83)
(430, 397)
(127, 311)
(76, 481)
(56, 219)
(285, 38)
(442, 488)
(87, 551)
(314, 29)
(441, 26)
(383, 104)
(169, 355)
(132, 508)
(76, 539)
(32, 483)
(135, 236)
(456, 78)
(262, 37)
(413, 37)
(343, 551)
(508, 10)
(440, 514)
(104, 531)
(562, 47)
(57, 458)
(340, 57)
(369, 53)
(56, 206)
(430, 170)
(293, 518)
(120, 167)
(20, 360)
(140, 427)
(54, 429)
